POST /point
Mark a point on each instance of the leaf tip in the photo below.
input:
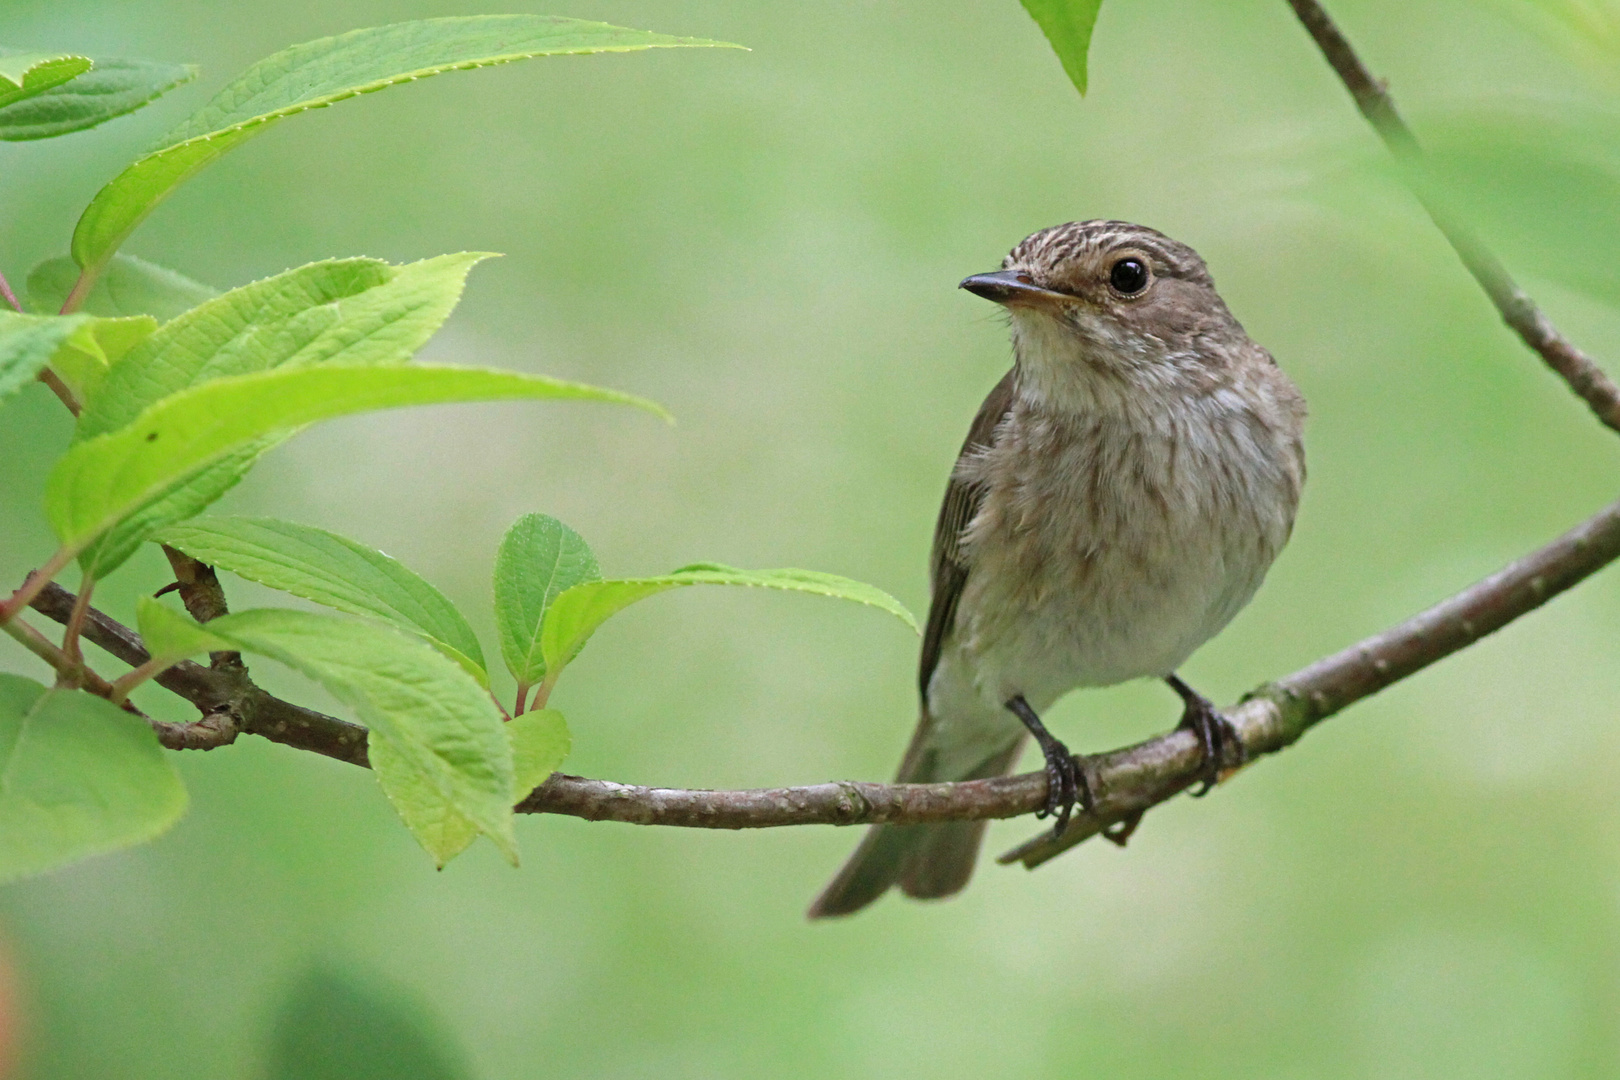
(650, 406)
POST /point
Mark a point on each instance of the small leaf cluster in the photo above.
(179, 389)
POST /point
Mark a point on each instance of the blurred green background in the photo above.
(769, 243)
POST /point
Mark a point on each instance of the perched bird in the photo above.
(1119, 498)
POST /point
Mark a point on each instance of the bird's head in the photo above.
(1107, 302)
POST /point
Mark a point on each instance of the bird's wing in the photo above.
(949, 570)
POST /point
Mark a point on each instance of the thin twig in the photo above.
(1371, 95)
(70, 635)
(204, 598)
(10, 297)
(69, 672)
(132, 678)
(35, 581)
(81, 290)
(63, 393)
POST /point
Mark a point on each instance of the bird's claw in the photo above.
(1119, 833)
(1066, 785)
(1067, 778)
(1215, 733)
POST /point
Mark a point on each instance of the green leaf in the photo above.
(540, 742)
(78, 776)
(539, 558)
(319, 73)
(331, 570)
(432, 727)
(338, 1025)
(128, 286)
(1067, 25)
(27, 74)
(170, 636)
(427, 812)
(108, 478)
(27, 344)
(78, 347)
(111, 88)
(575, 615)
(177, 501)
(92, 348)
(341, 311)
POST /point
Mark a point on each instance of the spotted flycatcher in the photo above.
(1119, 498)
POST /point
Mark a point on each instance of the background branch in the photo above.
(1520, 312)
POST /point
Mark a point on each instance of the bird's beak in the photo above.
(1006, 287)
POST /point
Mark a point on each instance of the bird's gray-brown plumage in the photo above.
(1120, 495)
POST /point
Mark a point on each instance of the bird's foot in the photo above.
(1215, 733)
(1067, 778)
(1119, 833)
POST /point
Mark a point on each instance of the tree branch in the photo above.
(1371, 95)
(227, 697)
(1131, 780)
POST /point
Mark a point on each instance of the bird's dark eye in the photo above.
(1129, 276)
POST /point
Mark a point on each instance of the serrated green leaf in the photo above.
(340, 311)
(27, 74)
(27, 344)
(539, 558)
(332, 570)
(182, 499)
(93, 347)
(540, 742)
(111, 88)
(1067, 25)
(575, 615)
(432, 727)
(110, 477)
(170, 636)
(319, 73)
(128, 286)
(427, 813)
(78, 776)
(77, 347)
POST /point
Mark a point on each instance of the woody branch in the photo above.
(1131, 780)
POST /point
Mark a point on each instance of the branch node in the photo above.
(852, 807)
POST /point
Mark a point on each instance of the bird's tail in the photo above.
(927, 861)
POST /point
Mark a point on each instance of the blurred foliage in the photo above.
(340, 1025)
(1542, 187)
(768, 243)
(1586, 32)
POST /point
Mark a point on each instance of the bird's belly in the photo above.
(1047, 614)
